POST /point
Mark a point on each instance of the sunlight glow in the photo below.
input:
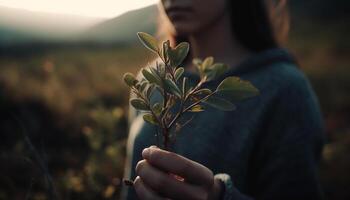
(96, 8)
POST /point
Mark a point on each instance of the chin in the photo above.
(183, 29)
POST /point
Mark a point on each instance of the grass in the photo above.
(73, 105)
(83, 92)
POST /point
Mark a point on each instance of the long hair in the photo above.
(251, 24)
(257, 24)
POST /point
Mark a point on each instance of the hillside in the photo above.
(21, 26)
(123, 28)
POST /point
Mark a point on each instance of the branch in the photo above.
(188, 108)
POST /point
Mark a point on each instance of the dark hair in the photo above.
(251, 25)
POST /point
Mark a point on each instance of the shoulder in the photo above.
(282, 78)
(287, 91)
(294, 83)
(273, 71)
(293, 105)
(290, 85)
(294, 97)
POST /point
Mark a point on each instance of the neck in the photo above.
(218, 41)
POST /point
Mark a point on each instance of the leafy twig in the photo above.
(167, 78)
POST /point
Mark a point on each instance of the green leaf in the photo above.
(196, 108)
(155, 72)
(148, 41)
(150, 90)
(180, 53)
(172, 88)
(157, 108)
(161, 70)
(151, 77)
(215, 71)
(199, 64)
(204, 92)
(139, 104)
(197, 61)
(220, 104)
(220, 68)
(178, 73)
(207, 63)
(235, 89)
(150, 119)
(129, 79)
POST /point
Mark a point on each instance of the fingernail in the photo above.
(145, 153)
(154, 146)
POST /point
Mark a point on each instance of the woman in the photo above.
(268, 148)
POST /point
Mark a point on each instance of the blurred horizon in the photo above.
(94, 9)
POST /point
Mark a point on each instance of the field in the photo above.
(64, 116)
(72, 106)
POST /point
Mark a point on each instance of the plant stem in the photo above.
(178, 115)
(166, 138)
(187, 109)
(198, 102)
(165, 130)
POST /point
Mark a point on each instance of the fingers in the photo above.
(166, 185)
(193, 172)
(143, 192)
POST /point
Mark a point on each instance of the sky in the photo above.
(94, 8)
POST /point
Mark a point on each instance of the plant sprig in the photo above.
(178, 97)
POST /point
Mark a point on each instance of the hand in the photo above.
(166, 175)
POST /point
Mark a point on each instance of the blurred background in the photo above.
(63, 106)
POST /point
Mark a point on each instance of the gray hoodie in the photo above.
(268, 148)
